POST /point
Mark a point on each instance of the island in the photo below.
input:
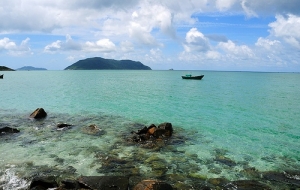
(30, 68)
(3, 68)
(99, 63)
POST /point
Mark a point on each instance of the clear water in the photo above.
(250, 118)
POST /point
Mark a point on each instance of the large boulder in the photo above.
(38, 113)
(152, 185)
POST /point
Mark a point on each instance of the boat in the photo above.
(192, 77)
(1, 76)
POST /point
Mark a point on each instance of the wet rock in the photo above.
(70, 184)
(251, 172)
(62, 126)
(92, 130)
(8, 130)
(247, 185)
(152, 185)
(38, 113)
(152, 135)
(105, 182)
(167, 127)
(291, 178)
(41, 183)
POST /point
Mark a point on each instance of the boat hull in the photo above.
(193, 77)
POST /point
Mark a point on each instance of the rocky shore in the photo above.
(144, 168)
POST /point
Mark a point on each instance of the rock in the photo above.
(290, 178)
(8, 130)
(153, 133)
(225, 160)
(92, 130)
(41, 183)
(38, 113)
(152, 185)
(105, 182)
(167, 127)
(63, 125)
(69, 184)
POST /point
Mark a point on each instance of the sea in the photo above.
(229, 125)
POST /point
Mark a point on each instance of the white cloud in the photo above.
(223, 5)
(13, 49)
(235, 51)
(247, 10)
(126, 46)
(287, 28)
(196, 41)
(7, 44)
(53, 47)
(103, 45)
(267, 44)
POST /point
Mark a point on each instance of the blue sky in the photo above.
(227, 35)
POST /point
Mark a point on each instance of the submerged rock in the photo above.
(152, 185)
(247, 184)
(92, 130)
(38, 113)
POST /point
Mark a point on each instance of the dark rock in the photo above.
(152, 185)
(167, 127)
(8, 130)
(63, 125)
(69, 184)
(142, 131)
(38, 113)
(41, 183)
(290, 178)
(247, 185)
(152, 134)
(105, 182)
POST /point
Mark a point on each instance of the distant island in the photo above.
(30, 68)
(3, 68)
(99, 63)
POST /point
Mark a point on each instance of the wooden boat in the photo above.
(1, 76)
(193, 77)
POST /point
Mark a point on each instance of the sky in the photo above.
(224, 35)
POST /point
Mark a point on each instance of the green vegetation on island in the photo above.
(30, 68)
(98, 63)
(3, 68)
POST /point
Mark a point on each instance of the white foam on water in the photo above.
(9, 180)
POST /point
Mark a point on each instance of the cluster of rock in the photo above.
(96, 183)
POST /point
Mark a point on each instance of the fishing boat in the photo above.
(1, 76)
(192, 77)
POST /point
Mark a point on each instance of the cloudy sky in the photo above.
(243, 35)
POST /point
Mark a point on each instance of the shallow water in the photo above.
(223, 124)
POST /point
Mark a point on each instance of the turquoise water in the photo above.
(250, 118)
